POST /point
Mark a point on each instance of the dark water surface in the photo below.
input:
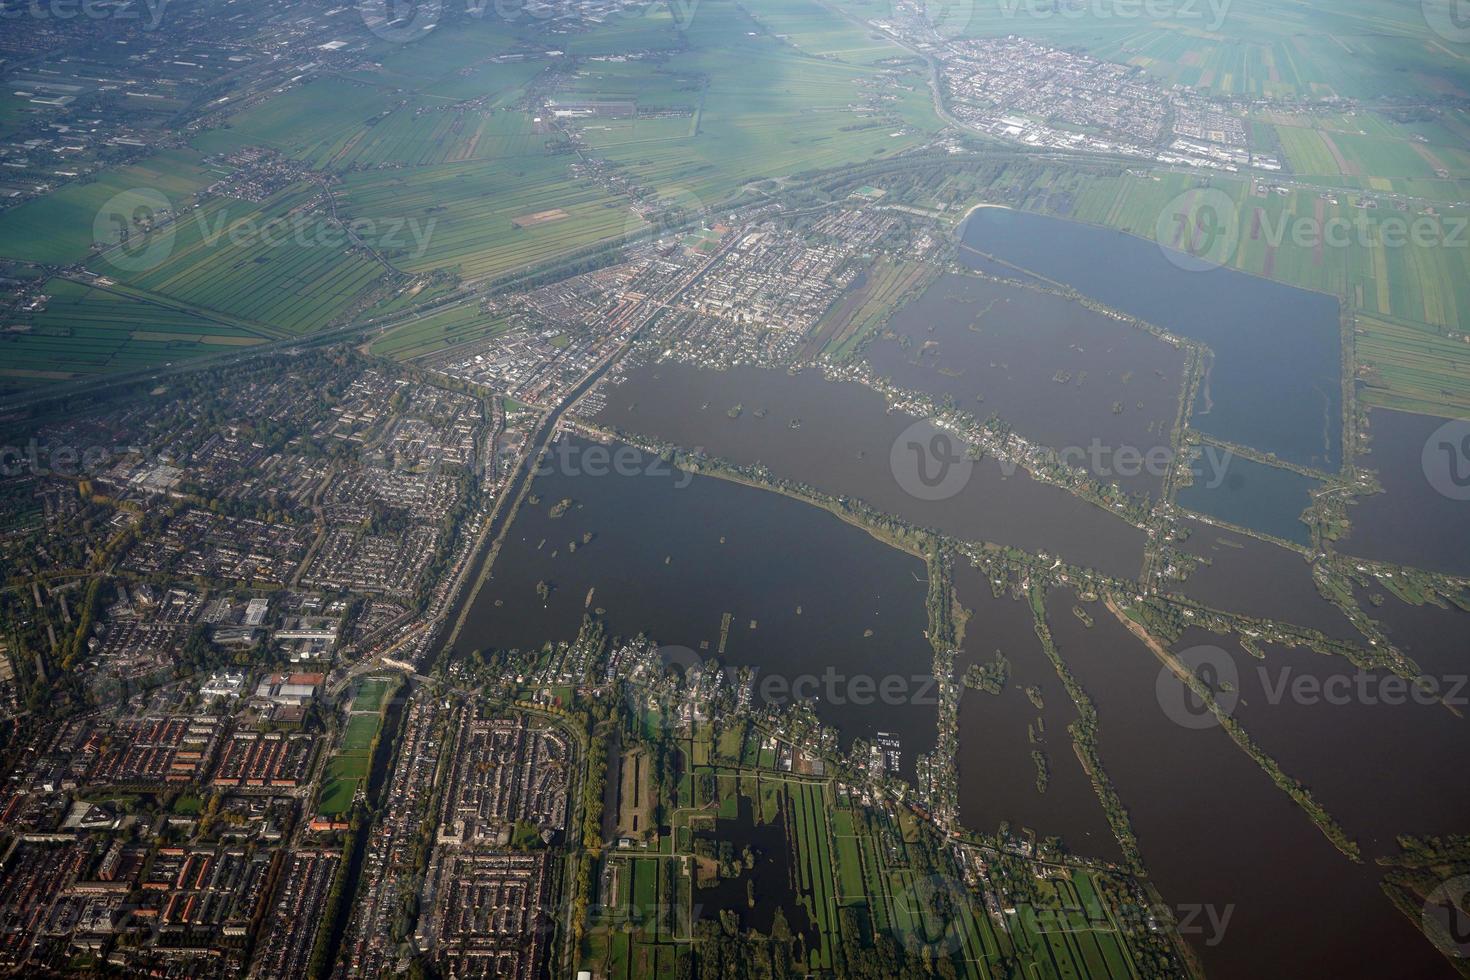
(1437, 638)
(1274, 383)
(1257, 578)
(843, 444)
(812, 601)
(998, 732)
(1252, 495)
(1412, 522)
(1382, 758)
(1062, 375)
(1220, 839)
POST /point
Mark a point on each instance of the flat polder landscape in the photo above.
(663, 490)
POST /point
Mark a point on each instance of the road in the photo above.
(537, 443)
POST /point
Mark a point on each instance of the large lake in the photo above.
(842, 441)
(1275, 380)
(670, 556)
(1216, 834)
(1251, 495)
(1257, 578)
(1330, 725)
(1061, 374)
(1437, 638)
(1411, 522)
(998, 732)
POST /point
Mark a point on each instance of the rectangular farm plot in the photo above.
(285, 264)
(539, 218)
(85, 330)
(487, 219)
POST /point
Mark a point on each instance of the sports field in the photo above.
(350, 765)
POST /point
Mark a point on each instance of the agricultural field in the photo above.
(1248, 48)
(649, 84)
(1412, 368)
(471, 212)
(313, 122)
(437, 134)
(424, 132)
(757, 850)
(59, 229)
(865, 307)
(1365, 145)
(1428, 283)
(282, 264)
(812, 30)
(654, 28)
(768, 111)
(86, 330)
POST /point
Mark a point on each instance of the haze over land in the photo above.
(734, 488)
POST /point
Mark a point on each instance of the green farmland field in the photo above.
(442, 328)
(252, 262)
(473, 210)
(60, 228)
(86, 330)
